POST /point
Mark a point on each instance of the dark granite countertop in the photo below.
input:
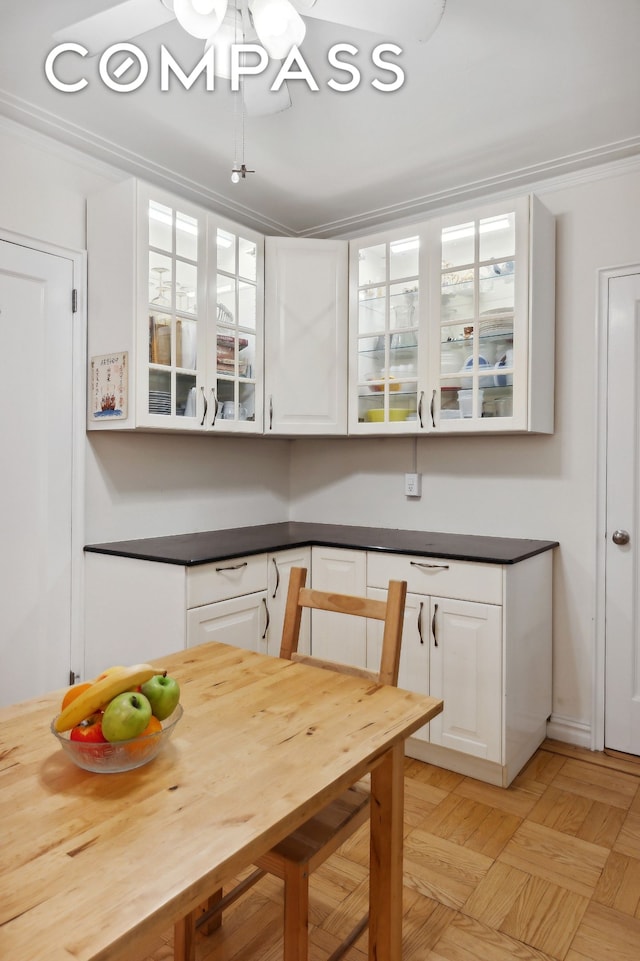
(200, 548)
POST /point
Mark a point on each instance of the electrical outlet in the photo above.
(413, 485)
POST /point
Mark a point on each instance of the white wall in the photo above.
(43, 187)
(534, 486)
(148, 485)
(136, 485)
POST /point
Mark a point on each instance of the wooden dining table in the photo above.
(93, 867)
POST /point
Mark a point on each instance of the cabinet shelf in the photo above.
(491, 338)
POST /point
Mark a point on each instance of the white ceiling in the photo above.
(504, 93)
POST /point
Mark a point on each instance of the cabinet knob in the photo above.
(620, 537)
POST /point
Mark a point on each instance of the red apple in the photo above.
(89, 731)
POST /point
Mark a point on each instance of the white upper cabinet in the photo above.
(306, 319)
(388, 324)
(439, 328)
(452, 324)
(492, 319)
(175, 315)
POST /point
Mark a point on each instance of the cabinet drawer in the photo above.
(220, 580)
(463, 580)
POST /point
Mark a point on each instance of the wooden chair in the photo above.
(295, 858)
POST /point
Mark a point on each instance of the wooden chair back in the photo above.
(390, 611)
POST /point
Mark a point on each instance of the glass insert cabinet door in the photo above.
(236, 392)
(174, 289)
(479, 284)
(203, 293)
(385, 352)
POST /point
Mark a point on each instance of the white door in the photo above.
(36, 443)
(622, 592)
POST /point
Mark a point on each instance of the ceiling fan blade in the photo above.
(402, 19)
(120, 23)
(260, 101)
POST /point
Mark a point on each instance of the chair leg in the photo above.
(296, 912)
(184, 937)
(209, 925)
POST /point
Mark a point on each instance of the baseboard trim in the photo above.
(570, 731)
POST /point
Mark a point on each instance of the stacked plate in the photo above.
(159, 402)
(499, 321)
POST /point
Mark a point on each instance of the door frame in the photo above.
(604, 277)
(78, 259)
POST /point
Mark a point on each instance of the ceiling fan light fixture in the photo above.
(278, 25)
(200, 18)
(230, 32)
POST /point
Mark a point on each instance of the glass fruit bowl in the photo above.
(116, 756)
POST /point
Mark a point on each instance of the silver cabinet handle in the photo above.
(206, 407)
(271, 412)
(275, 564)
(216, 406)
(440, 567)
(433, 625)
(266, 626)
(432, 409)
(620, 537)
(231, 567)
(420, 408)
(420, 622)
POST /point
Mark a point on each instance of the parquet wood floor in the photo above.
(546, 870)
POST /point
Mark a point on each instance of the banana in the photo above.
(117, 681)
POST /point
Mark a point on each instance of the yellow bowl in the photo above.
(395, 414)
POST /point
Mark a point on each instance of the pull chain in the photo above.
(239, 170)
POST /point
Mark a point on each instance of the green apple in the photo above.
(163, 693)
(126, 716)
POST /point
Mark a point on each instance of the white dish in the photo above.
(468, 365)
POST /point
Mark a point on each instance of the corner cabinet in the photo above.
(306, 318)
(452, 324)
(175, 320)
(139, 610)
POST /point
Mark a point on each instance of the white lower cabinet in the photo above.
(466, 672)
(452, 650)
(280, 565)
(227, 601)
(334, 637)
(489, 662)
(138, 610)
(241, 621)
(476, 635)
(414, 654)
(134, 611)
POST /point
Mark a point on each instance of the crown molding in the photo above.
(30, 123)
(109, 159)
(562, 172)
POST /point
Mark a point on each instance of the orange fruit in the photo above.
(153, 726)
(73, 692)
(141, 747)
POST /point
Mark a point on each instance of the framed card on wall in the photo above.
(109, 385)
